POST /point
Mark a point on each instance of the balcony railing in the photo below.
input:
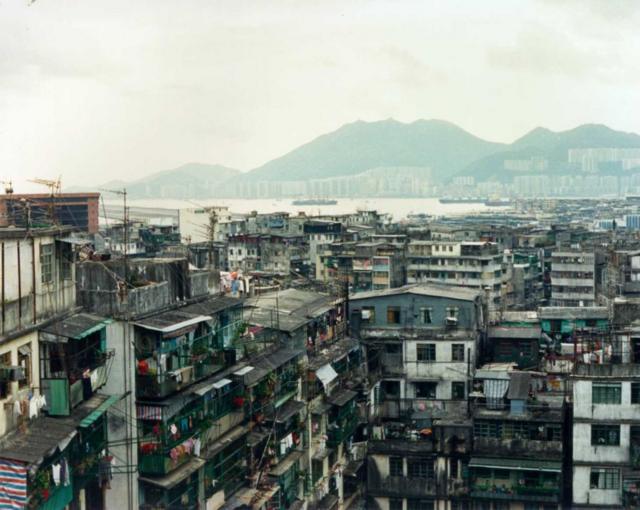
(344, 430)
(519, 493)
(401, 486)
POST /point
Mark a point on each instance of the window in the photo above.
(426, 352)
(635, 393)
(525, 349)
(606, 393)
(46, 263)
(453, 467)
(487, 429)
(395, 466)
(425, 315)
(605, 478)
(5, 383)
(393, 315)
(420, 468)
(368, 314)
(452, 312)
(66, 261)
(425, 389)
(457, 390)
(390, 388)
(457, 352)
(395, 504)
(419, 504)
(605, 435)
(24, 360)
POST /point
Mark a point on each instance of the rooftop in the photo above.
(424, 289)
(573, 312)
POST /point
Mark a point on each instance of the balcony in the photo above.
(168, 432)
(73, 361)
(519, 447)
(343, 429)
(538, 494)
(397, 486)
(168, 365)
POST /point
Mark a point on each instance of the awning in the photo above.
(243, 371)
(102, 408)
(206, 387)
(285, 464)
(326, 374)
(342, 397)
(285, 411)
(170, 322)
(547, 466)
(77, 326)
(177, 476)
(221, 383)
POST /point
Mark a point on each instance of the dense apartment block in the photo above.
(572, 278)
(421, 343)
(475, 264)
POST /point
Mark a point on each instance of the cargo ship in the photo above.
(498, 203)
(463, 200)
(315, 201)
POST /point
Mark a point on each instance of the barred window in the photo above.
(420, 468)
(395, 466)
(46, 263)
(457, 352)
(426, 352)
(605, 478)
(606, 393)
(605, 435)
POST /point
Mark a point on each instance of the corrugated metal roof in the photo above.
(213, 305)
(102, 408)
(77, 326)
(285, 411)
(44, 435)
(171, 321)
(341, 397)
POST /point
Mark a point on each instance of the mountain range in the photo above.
(441, 147)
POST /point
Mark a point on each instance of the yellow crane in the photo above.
(8, 187)
(54, 189)
(54, 186)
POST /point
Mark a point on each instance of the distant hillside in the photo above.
(360, 146)
(192, 180)
(552, 146)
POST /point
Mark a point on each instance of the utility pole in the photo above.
(125, 252)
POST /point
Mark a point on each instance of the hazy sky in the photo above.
(98, 90)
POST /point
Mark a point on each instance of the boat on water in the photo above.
(498, 203)
(315, 201)
(462, 200)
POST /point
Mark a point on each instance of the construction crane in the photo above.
(54, 186)
(54, 189)
(8, 187)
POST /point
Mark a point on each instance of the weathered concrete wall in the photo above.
(25, 299)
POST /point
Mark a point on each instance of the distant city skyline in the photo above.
(98, 91)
